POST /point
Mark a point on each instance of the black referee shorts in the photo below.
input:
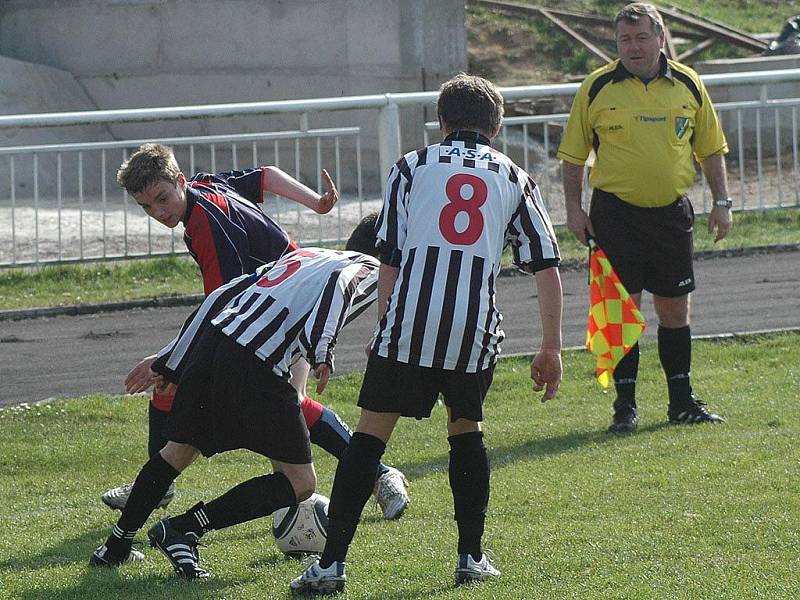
(228, 398)
(649, 248)
(394, 387)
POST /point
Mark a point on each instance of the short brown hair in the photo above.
(150, 164)
(635, 11)
(470, 102)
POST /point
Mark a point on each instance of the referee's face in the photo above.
(164, 201)
(639, 48)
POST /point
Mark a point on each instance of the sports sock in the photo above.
(355, 478)
(675, 352)
(119, 542)
(625, 379)
(327, 430)
(150, 486)
(157, 426)
(254, 498)
(469, 482)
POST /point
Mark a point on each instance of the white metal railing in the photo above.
(764, 170)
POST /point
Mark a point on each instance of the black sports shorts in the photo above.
(649, 248)
(395, 387)
(228, 398)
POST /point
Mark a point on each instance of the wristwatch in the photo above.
(726, 203)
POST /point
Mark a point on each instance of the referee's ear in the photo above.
(363, 237)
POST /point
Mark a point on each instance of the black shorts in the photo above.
(228, 398)
(395, 387)
(650, 248)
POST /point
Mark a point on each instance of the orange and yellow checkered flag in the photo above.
(615, 322)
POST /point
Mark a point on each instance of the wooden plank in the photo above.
(575, 35)
(723, 32)
(687, 54)
(669, 45)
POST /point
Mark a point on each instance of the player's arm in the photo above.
(329, 315)
(281, 183)
(546, 369)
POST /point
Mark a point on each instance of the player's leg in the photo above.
(468, 469)
(149, 487)
(331, 433)
(157, 414)
(352, 487)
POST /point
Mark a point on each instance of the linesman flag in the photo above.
(615, 323)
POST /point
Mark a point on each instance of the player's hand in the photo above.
(322, 372)
(546, 373)
(578, 223)
(140, 377)
(720, 219)
(330, 197)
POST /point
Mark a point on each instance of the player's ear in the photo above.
(181, 179)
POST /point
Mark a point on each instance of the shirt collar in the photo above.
(664, 70)
(465, 135)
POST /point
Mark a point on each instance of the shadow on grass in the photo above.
(531, 450)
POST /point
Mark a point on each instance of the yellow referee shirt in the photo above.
(645, 137)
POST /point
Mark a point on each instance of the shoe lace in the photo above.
(387, 487)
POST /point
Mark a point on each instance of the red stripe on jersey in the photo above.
(209, 193)
(199, 231)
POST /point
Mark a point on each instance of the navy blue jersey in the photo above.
(225, 231)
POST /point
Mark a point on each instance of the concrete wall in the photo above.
(149, 53)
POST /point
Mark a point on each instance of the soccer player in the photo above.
(228, 235)
(232, 359)
(448, 211)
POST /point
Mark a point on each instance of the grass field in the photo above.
(140, 279)
(672, 512)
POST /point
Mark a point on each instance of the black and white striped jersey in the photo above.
(293, 307)
(448, 211)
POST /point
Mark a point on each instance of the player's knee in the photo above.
(303, 481)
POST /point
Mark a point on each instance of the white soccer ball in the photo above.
(302, 529)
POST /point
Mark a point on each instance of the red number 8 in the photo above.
(458, 204)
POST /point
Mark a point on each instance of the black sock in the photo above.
(333, 435)
(157, 425)
(355, 478)
(469, 482)
(150, 486)
(256, 497)
(625, 380)
(119, 542)
(675, 352)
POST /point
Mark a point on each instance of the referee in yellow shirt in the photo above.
(647, 119)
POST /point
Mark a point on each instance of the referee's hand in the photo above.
(546, 372)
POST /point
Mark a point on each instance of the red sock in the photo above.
(162, 402)
(312, 411)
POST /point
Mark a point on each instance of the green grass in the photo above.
(672, 512)
(134, 280)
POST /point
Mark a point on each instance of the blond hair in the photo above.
(150, 164)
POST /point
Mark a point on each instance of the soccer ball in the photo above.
(302, 529)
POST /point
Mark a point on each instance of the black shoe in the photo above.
(625, 421)
(179, 548)
(103, 558)
(694, 411)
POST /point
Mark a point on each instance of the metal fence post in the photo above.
(389, 146)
